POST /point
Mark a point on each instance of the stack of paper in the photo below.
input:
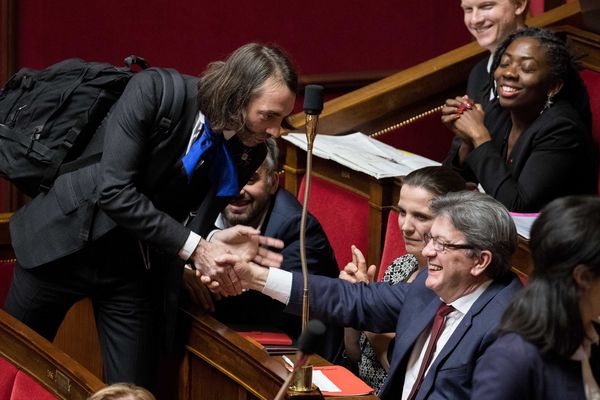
(362, 153)
(523, 222)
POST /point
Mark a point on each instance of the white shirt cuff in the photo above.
(279, 285)
(189, 246)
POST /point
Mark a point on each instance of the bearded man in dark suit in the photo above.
(264, 205)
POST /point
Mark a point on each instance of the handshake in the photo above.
(233, 260)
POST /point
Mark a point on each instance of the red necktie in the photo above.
(436, 331)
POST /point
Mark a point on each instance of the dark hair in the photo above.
(563, 66)
(272, 159)
(226, 87)
(437, 180)
(546, 313)
(485, 223)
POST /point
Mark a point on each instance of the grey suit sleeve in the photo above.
(126, 149)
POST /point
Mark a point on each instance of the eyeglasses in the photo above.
(442, 247)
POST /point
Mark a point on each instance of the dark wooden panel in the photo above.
(53, 369)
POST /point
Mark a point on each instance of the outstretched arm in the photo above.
(244, 242)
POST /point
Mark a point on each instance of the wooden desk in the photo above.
(220, 364)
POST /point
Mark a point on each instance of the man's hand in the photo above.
(250, 274)
(356, 270)
(219, 278)
(198, 291)
(247, 243)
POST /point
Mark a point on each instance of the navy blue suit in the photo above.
(255, 309)
(409, 309)
(513, 368)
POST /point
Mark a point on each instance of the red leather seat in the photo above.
(343, 214)
(592, 81)
(17, 385)
(393, 245)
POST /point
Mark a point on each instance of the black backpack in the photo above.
(48, 117)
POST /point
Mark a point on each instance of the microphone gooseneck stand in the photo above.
(313, 105)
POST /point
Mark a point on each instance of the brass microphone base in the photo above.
(302, 381)
(302, 387)
(314, 395)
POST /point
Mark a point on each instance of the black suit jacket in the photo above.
(553, 157)
(253, 309)
(139, 185)
(479, 83)
(478, 89)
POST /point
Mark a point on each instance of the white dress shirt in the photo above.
(279, 287)
(461, 306)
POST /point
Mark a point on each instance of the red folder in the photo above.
(346, 381)
(266, 338)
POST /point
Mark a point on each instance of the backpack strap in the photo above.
(169, 112)
(172, 101)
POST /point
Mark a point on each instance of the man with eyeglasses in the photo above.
(444, 320)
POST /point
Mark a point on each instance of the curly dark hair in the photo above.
(563, 66)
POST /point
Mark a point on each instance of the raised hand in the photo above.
(465, 118)
(356, 270)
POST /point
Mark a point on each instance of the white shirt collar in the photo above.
(227, 133)
(464, 304)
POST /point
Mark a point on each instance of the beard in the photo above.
(251, 215)
(245, 218)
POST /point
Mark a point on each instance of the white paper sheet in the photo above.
(362, 153)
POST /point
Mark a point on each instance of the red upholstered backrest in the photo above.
(25, 388)
(6, 271)
(8, 373)
(343, 214)
(592, 81)
(393, 245)
(17, 385)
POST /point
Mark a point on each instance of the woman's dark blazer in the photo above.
(554, 157)
(513, 368)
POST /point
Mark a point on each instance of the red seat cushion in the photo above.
(393, 245)
(8, 373)
(343, 214)
(25, 388)
(17, 385)
(592, 81)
